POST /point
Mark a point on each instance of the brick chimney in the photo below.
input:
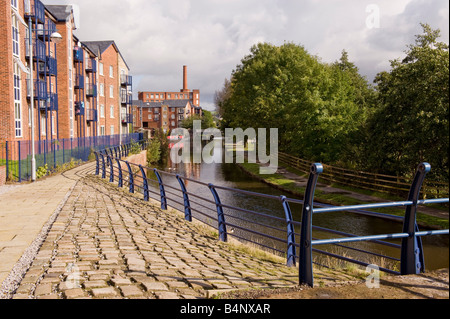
(185, 84)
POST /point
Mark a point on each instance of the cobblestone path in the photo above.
(106, 243)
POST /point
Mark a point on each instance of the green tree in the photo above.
(310, 102)
(411, 124)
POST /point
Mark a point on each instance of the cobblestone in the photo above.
(107, 243)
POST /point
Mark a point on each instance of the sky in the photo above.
(211, 37)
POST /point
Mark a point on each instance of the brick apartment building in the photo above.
(80, 89)
(166, 110)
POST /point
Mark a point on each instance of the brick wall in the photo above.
(109, 58)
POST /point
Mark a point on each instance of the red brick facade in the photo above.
(72, 97)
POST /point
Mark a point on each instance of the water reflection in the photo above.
(230, 175)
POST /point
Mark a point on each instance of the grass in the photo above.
(281, 182)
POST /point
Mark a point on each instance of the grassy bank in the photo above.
(289, 186)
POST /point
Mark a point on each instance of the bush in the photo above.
(153, 152)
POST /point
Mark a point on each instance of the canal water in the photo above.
(436, 248)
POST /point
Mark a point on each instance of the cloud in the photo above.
(211, 36)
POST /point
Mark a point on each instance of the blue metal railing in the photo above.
(248, 225)
(16, 156)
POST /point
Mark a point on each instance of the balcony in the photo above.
(34, 9)
(91, 66)
(78, 54)
(49, 68)
(79, 108)
(127, 118)
(52, 66)
(52, 102)
(40, 89)
(91, 115)
(79, 81)
(126, 80)
(126, 98)
(91, 90)
(38, 49)
(44, 31)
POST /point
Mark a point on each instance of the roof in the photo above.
(60, 12)
(98, 47)
(169, 103)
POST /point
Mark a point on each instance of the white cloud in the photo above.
(211, 36)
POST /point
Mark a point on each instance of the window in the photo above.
(112, 130)
(15, 35)
(17, 103)
(149, 116)
(18, 119)
(14, 4)
(53, 125)
(43, 124)
(111, 111)
(173, 123)
(100, 68)
(111, 71)
(111, 91)
(102, 89)
(102, 111)
(102, 130)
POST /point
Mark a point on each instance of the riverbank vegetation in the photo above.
(340, 199)
(330, 113)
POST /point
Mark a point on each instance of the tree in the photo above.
(411, 124)
(311, 103)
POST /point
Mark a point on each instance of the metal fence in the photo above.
(282, 235)
(369, 181)
(15, 156)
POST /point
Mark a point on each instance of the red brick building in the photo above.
(80, 89)
(166, 110)
(18, 88)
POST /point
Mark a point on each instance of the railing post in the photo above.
(305, 261)
(187, 204)
(103, 166)
(161, 190)
(130, 178)
(7, 160)
(97, 166)
(145, 184)
(20, 163)
(412, 258)
(111, 170)
(291, 255)
(220, 215)
(120, 173)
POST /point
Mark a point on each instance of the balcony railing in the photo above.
(91, 90)
(91, 65)
(91, 115)
(34, 9)
(126, 98)
(44, 31)
(78, 54)
(52, 66)
(79, 108)
(40, 89)
(38, 49)
(52, 101)
(126, 80)
(127, 118)
(79, 81)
